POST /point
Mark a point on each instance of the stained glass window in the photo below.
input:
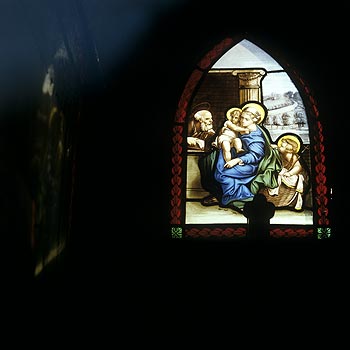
(208, 196)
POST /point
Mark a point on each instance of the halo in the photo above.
(200, 106)
(228, 113)
(258, 108)
(292, 138)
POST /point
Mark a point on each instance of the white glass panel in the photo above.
(246, 55)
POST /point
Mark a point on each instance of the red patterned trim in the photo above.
(176, 179)
(291, 233)
(215, 53)
(228, 232)
(321, 198)
(186, 96)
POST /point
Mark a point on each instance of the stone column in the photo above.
(249, 84)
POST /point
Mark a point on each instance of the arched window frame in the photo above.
(321, 226)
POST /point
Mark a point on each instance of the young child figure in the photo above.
(228, 136)
(291, 172)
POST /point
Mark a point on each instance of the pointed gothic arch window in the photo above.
(232, 75)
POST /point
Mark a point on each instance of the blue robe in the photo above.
(235, 182)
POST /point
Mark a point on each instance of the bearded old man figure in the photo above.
(200, 129)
